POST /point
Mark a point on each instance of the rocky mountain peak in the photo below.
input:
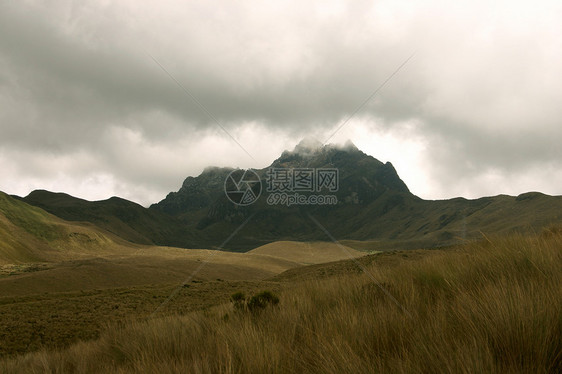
(308, 146)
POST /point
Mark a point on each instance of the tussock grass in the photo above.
(489, 307)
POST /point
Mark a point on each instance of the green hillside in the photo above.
(129, 220)
(25, 231)
(30, 234)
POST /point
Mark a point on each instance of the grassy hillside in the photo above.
(145, 266)
(124, 218)
(18, 245)
(491, 306)
(307, 253)
(399, 221)
(29, 234)
(25, 232)
(394, 220)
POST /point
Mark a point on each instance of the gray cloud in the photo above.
(76, 79)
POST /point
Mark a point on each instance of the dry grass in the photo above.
(489, 307)
(56, 320)
(52, 305)
(306, 253)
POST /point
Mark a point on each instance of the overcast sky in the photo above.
(85, 109)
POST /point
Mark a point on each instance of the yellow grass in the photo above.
(136, 266)
(487, 307)
(307, 253)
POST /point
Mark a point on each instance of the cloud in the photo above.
(81, 97)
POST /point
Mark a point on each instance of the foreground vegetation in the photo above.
(493, 306)
(59, 319)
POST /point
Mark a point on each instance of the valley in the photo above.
(80, 277)
(62, 281)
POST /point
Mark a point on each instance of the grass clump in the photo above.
(262, 300)
(238, 300)
(254, 303)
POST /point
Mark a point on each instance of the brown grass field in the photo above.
(307, 253)
(492, 306)
(57, 303)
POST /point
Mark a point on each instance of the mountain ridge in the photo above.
(373, 204)
(31, 234)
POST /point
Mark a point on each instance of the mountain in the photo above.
(373, 206)
(129, 220)
(202, 206)
(363, 177)
(30, 234)
(195, 193)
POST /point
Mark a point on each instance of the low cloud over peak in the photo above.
(85, 109)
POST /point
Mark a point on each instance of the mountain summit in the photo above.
(352, 195)
(362, 177)
(307, 147)
(362, 180)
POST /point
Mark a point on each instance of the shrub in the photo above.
(254, 303)
(262, 300)
(238, 300)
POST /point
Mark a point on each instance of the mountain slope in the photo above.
(373, 204)
(29, 234)
(195, 193)
(129, 220)
(363, 180)
(17, 244)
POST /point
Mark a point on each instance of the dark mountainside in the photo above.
(129, 220)
(374, 204)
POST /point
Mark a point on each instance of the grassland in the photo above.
(58, 303)
(61, 281)
(307, 253)
(491, 306)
